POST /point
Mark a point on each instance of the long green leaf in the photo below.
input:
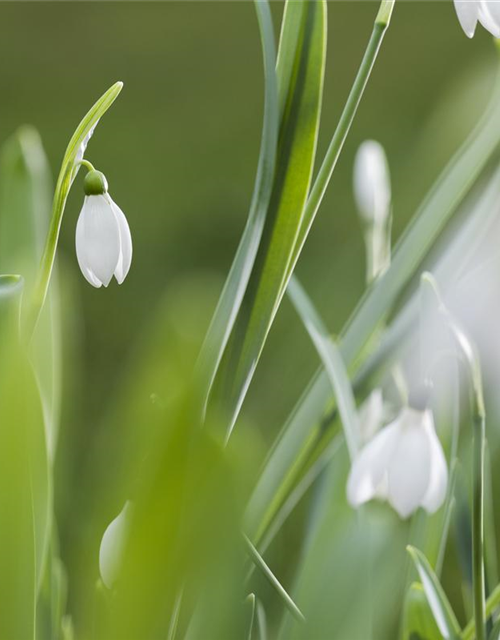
(423, 232)
(444, 616)
(25, 188)
(239, 274)
(25, 503)
(297, 146)
(332, 361)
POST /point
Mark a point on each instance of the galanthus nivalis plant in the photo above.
(203, 551)
(103, 240)
(403, 464)
(487, 12)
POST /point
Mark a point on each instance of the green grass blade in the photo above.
(239, 274)
(297, 146)
(422, 234)
(25, 191)
(332, 361)
(273, 581)
(444, 616)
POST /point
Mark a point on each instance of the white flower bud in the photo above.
(487, 12)
(372, 187)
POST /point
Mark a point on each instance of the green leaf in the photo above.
(418, 622)
(25, 191)
(436, 210)
(25, 498)
(332, 361)
(239, 274)
(297, 146)
(444, 616)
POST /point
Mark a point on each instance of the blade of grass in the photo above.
(239, 274)
(295, 160)
(332, 361)
(492, 603)
(438, 602)
(273, 581)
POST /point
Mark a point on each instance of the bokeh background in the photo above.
(180, 148)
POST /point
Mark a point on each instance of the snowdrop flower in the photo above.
(403, 464)
(103, 240)
(372, 188)
(112, 546)
(487, 12)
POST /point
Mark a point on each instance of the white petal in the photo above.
(367, 475)
(371, 182)
(82, 148)
(489, 16)
(468, 14)
(438, 481)
(112, 546)
(81, 256)
(371, 415)
(99, 238)
(125, 257)
(409, 469)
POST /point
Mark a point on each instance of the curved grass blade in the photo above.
(444, 616)
(297, 146)
(25, 188)
(436, 210)
(332, 361)
(239, 274)
(74, 153)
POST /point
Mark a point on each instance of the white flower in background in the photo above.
(112, 546)
(371, 415)
(103, 240)
(372, 186)
(403, 464)
(487, 12)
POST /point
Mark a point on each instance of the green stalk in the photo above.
(491, 604)
(67, 174)
(478, 582)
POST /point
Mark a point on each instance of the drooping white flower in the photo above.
(103, 240)
(403, 464)
(487, 12)
(372, 187)
(112, 546)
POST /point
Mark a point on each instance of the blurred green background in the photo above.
(180, 147)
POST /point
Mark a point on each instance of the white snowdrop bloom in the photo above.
(371, 415)
(403, 464)
(103, 240)
(487, 12)
(372, 187)
(112, 546)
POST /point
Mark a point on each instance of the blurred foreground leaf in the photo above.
(418, 622)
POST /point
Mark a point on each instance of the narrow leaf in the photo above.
(418, 622)
(444, 616)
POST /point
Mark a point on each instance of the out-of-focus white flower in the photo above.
(487, 12)
(112, 546)
(403, 464)
(371, 415)
(372, 187)
(103, 240)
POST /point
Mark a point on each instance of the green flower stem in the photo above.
(85, 163)
(67, 174)
(469, 633)
(478, 526)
